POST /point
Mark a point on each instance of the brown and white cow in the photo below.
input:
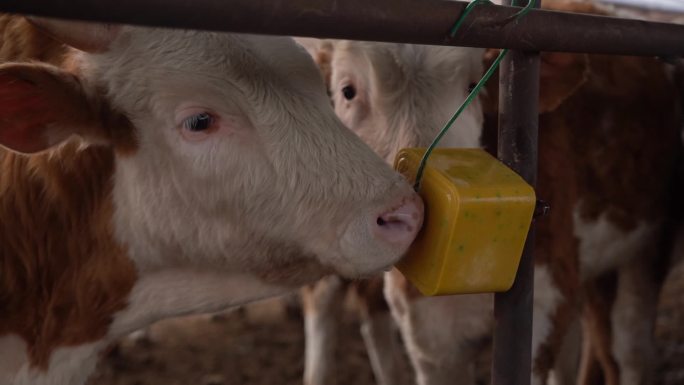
(148, 173)
(608, 145)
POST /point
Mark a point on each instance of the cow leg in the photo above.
(565, 367)
(321, 304)
(639, 280)
(633, 320)
(590, 372)
(547, 301)
(442, 334)
(384, 351)
(636, 254)
(378, 332)
(598, 364)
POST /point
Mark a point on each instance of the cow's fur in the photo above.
(114, 213)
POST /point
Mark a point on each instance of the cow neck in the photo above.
(63, 276)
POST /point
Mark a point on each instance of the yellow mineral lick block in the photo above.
(477, 215)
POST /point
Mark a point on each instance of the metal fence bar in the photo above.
(517, 147)
(407, 21)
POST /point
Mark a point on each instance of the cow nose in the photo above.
(400, 225)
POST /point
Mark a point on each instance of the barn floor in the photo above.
(262, 344)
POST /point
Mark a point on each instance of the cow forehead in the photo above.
(398, 65)
(449, 64)
(245, 60)
(288, 59)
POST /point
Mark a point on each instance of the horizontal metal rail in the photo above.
(406, 21)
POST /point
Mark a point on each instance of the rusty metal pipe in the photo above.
(407, 21)
(517, 147)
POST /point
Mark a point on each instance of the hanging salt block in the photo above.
(477, 215)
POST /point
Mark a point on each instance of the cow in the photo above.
(395, 96)
(392, 96)
(608, 142)
(147, 173)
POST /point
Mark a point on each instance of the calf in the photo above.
(608, 147)
(148, 173)
(393, 96)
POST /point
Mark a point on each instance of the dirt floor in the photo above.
(258, 345)
(263, 345)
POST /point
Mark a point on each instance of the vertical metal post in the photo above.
(517, 147)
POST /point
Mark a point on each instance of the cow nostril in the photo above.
(401, 224)
(395, 222)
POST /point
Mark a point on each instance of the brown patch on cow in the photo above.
(554, 89)
(63, 275)
(626, 141)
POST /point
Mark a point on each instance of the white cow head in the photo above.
(228, 154)
(400, 95)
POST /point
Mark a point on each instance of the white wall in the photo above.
(660, 5)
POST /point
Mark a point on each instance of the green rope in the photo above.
(473, 94)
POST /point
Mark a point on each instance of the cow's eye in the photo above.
(198, 122)
(349, 92)
(471, 87)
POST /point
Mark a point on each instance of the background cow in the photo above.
(395, 96)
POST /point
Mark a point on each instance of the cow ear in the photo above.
(323, 59)
(321, 51)
(41, 106)
(490, 98)
(82, 35)
(562, 74)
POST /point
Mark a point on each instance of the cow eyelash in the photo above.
(198, 122)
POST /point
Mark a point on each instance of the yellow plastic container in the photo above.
(478, 213)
